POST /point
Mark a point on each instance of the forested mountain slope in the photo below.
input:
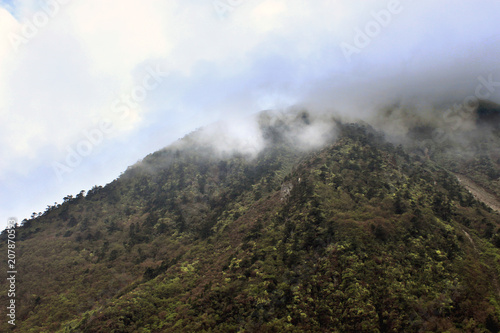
(355, 235)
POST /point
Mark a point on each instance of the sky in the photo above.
(88, 88)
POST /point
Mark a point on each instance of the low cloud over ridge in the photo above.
(254, 55)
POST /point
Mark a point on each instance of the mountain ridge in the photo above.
(357, 235)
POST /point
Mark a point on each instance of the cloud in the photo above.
(75, 71)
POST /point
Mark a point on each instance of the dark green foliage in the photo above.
(357, 236)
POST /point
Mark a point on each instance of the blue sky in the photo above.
(156, 70)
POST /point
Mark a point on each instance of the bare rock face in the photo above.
(286, 189)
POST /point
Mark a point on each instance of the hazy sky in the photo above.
(87, 88)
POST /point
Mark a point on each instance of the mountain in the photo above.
(326, 227)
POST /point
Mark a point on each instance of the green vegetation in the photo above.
(358, 236)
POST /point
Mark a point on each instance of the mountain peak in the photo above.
(354, 233)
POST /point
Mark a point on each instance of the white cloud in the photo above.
(7, 59)
(118, 37)
(264, 54)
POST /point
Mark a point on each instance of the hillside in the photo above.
(354, 235)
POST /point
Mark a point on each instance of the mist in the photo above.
(348, 60)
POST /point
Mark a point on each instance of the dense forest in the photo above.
(360, 234)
